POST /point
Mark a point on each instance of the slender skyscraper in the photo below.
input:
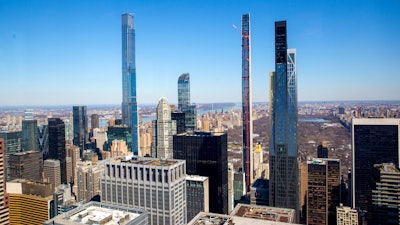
(80, 127)
(129, 101)
(183, 91)
(284, 177)
(246, 100)
(57, 149)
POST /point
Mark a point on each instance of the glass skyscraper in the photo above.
(129, 101)
(284, 176)
(57, 149)
(80, 126)
(183, 91)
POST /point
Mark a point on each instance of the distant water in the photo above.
(314, 120)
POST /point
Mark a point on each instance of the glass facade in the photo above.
(206, 154)
(183, 91)
(30, 135)
(57, 148)
(375, 141)
(129, 101)
(284, 177)
(80, 127)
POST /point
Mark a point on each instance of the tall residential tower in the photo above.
(80, 126)
(129, 101)
(247, 100)
(284, 176)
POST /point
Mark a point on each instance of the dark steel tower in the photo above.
(246, 100)
(284, 176)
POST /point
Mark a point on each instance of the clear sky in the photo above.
(69, 52)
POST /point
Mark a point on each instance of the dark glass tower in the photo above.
(57, 148)
(206, 155)
(284, 176)
(184, 105)
(374, 141)
(247, 101)
(80, 127)
(129, 101)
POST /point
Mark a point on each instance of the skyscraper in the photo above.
(156, 185)
(57, 148)
(374, 141)
(206, 155)
(163, 130)
(94, 121)
(129, 101)
(247, 100)
(12, 144)
(80, 127)
(183, 91)
(323, 192)
(26, 165)
(4, 212)
(284, 178)
(30, 135)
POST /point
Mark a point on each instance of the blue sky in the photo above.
(69, 52)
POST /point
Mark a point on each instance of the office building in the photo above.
(163, 130)
(190, 118)
(30, 135)
(57, 148)
(88, 178)
(101, 213)
(183, 91)
(12, 141)
(156, 185)
(179, 118)
(247, 101)
(346, 215)
(206, 155)
(119, 132)
(26, 165)
(51, 172)
(259, 168)
(94, 122)
(322, 150)
(197, 193)
(239, 185)
(73, 152)
(63, 200)
(385, 205)
(30, 202)
(259, 192)
(284, 175)
(4, 211)
(44, 140)
(323, 192)
(80, 126)
(129, 99)
(374, 141)
(118, 148)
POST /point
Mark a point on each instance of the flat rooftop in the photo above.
(201, 133)
(144, 160)
(219, 219)
(264, 213)
(98, 213)
(196, 178)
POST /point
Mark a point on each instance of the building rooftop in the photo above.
(25, 152)
(196, 178)
(219, 219)
(264, 213)
(99, 213)
(144, 160)
(387, 167)
(201, 133)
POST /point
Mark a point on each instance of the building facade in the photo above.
(88, 178)
(183, 91)
(323, 191)
(374, 141)
(80, 126)
(284, 176)
(206, 155)
(4, 211)
(12, 141)
(57, 148)
(26, 165)
(30, 135)
(385, 205)
(346, 215)
(51, 172)
(129, 99)
(163, 130)
(94, 121)
(197, 194)
(156, 185)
